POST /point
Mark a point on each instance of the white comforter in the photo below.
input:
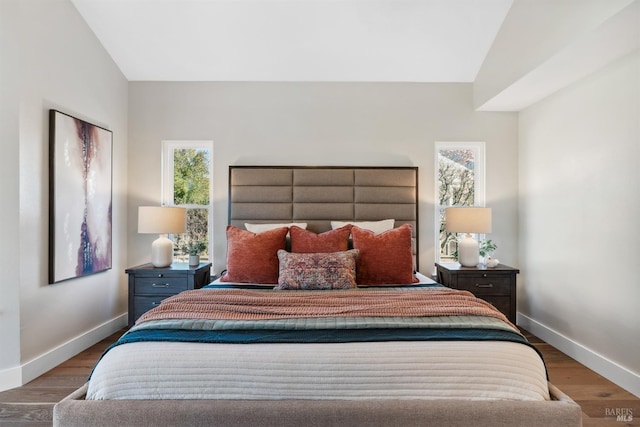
(477, 370)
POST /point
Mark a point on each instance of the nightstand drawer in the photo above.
(495, 285)
(485, 284)
(160, 285)
(149, 285)
(144, 304)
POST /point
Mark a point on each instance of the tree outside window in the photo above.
(187, 182)
(460, 182)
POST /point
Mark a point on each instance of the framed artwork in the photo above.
(80, 180)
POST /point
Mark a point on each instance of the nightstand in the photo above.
(496, 285)
(148, 285)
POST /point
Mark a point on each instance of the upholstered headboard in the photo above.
(319, 195)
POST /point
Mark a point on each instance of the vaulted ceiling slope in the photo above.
(545, 45)
(296, 40)
(514, 51)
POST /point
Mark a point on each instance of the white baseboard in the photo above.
(615, 373)
(10, 378)
(32, 369)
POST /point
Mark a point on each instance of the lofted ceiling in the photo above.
(296, 40)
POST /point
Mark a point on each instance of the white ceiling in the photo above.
(296, 40)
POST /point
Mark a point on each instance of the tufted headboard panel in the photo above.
(319, 195)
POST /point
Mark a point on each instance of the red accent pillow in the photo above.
(386, 258)
(253, 257)
(305, 241)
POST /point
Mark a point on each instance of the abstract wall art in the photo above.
(80, 197)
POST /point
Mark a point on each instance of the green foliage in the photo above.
(191, 177)
(191, 187)
(487, 247)
(194, 248)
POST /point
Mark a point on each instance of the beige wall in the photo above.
(579, 210)
(60, 65)
(319, 124)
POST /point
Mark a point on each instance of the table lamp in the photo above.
(161, 220)
(468, 220)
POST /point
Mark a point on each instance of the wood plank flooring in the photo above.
(31, 405)
(598, 397)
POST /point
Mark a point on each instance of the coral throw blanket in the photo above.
(235, 304)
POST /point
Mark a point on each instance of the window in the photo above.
(460, 182)
(187, 173)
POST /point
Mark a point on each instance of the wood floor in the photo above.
(31, 405)
(596, 395)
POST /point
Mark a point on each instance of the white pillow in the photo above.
(376, 226)
(259, 228)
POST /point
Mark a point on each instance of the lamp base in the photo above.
(162, 252)
(468, 251)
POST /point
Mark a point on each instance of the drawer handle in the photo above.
(155, 303)
(484, 285)
(159, 285)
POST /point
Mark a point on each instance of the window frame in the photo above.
(479, 181)
(167, 180)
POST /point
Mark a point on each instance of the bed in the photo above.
(339, 329)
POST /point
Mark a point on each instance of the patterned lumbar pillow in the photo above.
(314, 271)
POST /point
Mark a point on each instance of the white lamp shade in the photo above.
(161, 219)
(468, 220)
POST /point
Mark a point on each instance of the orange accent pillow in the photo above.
(305, 241)
(253, 257)
(386, 258)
